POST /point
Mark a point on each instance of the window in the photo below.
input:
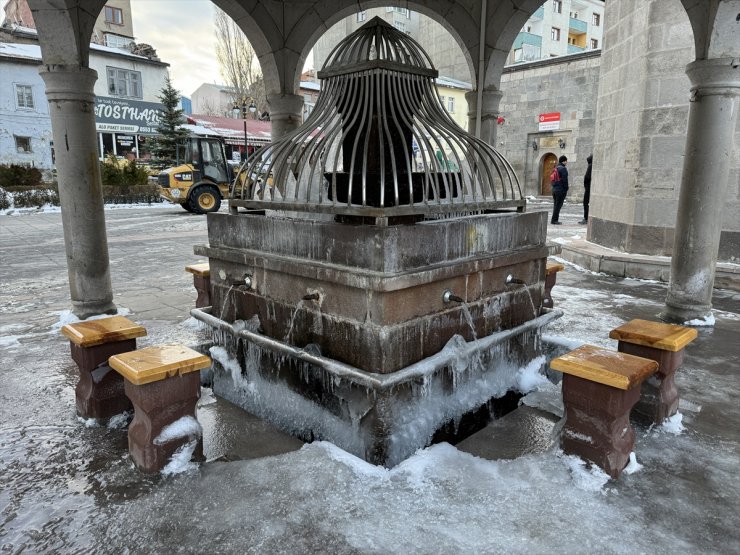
(113, 15)
(122, 82)
(23, 144)
(451, 104)
(442, 100)
(555, 34)
(557, 6)
(596, 19)
(361, 16)
(24, 95)
(403, 11)
(116, 41)
(594, 44)
(400, 25)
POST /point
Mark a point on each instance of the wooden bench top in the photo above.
(605, 366)
(157, 362)
(104, 330)
(668, 337)
(202, 269)
(553, 267)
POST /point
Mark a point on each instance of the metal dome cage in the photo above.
(378, 144)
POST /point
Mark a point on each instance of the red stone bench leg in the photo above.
(100, 391)
(203, 287)
(157, 405)
(659, 398)
(550, 280)
(597, 426)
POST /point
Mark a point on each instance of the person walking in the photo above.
(559, 186)
(587, 190)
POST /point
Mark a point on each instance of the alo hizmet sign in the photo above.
(121, 115)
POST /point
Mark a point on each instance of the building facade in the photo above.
(113, 27)
(25, 125)
(130, 80)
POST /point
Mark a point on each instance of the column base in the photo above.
(680, 314)
(85, 309)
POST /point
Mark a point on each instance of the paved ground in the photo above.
(59, 479)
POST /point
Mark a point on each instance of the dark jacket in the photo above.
(562, 185)
(587, 177)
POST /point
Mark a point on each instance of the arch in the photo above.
(325, 15)
(64, 32)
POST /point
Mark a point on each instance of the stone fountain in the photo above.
(377, 281)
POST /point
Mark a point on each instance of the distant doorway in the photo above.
(549, 161)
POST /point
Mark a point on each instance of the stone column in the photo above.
(715, 100)
(286, 113)
(489, 114)
(69, 90)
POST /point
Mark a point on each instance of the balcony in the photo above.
(577, 27)
(539, 15)
(573, 49)
(527, 38)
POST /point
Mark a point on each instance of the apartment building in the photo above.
(114, 26)
(558, 28)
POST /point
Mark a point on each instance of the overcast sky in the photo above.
(182, 33)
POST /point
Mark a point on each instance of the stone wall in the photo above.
(567, 85)
(640, 139)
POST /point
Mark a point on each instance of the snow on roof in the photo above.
(23, 51)
(231, 129)
(33, 51)
(453, 83)
(310, 85)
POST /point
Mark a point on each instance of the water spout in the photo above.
(449, 296)
(244, 282)
(512, 280)
(315, 296)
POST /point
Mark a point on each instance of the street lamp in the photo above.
(245, 109)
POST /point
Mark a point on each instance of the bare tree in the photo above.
(237, 61)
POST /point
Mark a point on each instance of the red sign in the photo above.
(552, 116)
(549, 122)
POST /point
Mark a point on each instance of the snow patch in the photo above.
(632, 466)
(707, 321)
(187, 426)
(119, 421)
(180, 461)
(673, 425)
(585, 477)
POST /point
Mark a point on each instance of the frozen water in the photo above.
(181, 459)
(185, 426)
(673, 425)
(632, 466)
(708, 320)
(66, 488)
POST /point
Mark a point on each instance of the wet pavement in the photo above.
(67, 486)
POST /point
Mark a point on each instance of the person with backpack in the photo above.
(587, 190)
(559, 187)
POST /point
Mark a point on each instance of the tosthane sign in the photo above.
(121, 115)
